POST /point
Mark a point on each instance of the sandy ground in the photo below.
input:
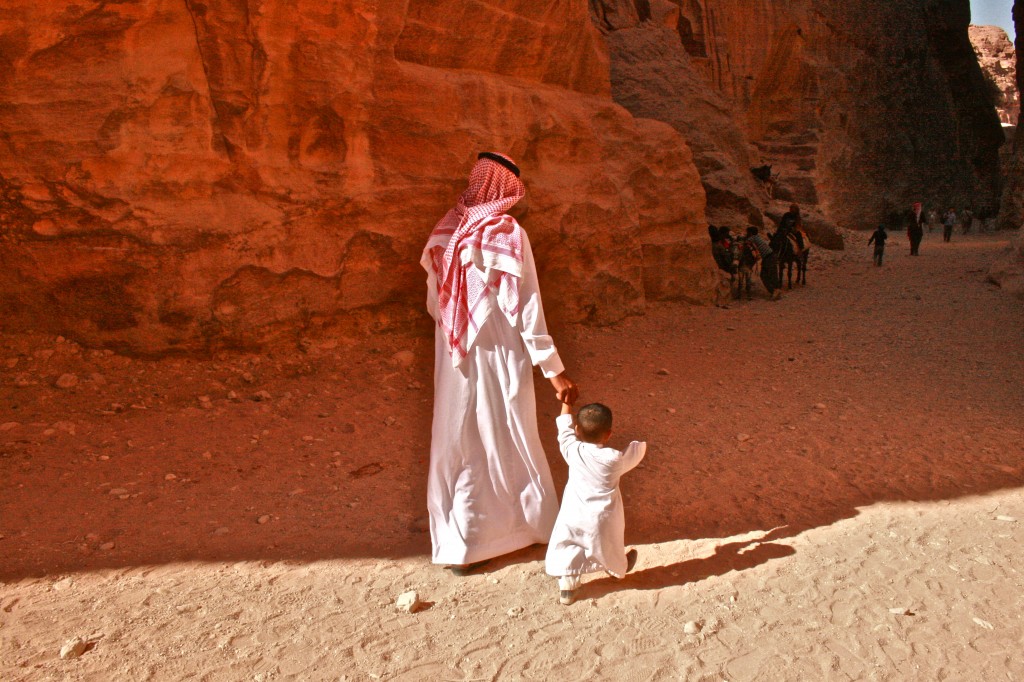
(832, 491)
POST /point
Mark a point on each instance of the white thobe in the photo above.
(489, 488)
(589, 534)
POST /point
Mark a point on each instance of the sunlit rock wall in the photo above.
(179, 175)
(998, 61)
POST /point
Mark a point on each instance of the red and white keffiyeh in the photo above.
(475, 249)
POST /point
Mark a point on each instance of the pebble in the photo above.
(901, 611)
(107, 546)
(820, 406)
(67, 381)
(170, 477)
(983, 623)
(223, 530)
(663, 372)
(207, 455)
(390, 421)
(73, 648)
(742, 437)
(118, 491)
(409, 602)
(7, 426)
(262, 396)
(263, 519)
(691, 627)
(1008, 519)
(516, 611)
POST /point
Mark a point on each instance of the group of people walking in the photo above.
(915, 221)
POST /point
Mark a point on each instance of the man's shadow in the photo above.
(732, 556)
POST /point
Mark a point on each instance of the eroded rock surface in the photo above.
(860, 107)
(184, 176)
(998, 62)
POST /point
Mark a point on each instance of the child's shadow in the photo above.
(733, 556)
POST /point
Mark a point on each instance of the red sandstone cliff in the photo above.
(860, 107)
(191, 175)
(999, 64)
(187, 175)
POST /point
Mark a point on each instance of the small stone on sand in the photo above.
(73, 648)
(409, 602)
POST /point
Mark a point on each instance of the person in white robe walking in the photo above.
(589, 534)
(489, 487)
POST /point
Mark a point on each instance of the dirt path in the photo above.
(833, 490)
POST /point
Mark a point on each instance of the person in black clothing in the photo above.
(790, 220)
(915, 231)
(878, 239)
(769, 263)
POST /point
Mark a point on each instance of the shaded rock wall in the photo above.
(185, 175)
(1008, 272)
(860, 107)
(1011, 213)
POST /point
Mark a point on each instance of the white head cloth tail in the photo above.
(476, 249)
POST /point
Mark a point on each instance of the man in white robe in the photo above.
(489, 488)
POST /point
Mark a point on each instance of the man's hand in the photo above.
(565, 388)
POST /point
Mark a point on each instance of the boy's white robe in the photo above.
(489, 487)
(589, 534)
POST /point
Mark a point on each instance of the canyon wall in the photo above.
(1008, 272)
(187, 175)
(860, 107)
(182, 176)
(998, 61)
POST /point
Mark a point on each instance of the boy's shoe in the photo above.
(631, 557)
(566, 597)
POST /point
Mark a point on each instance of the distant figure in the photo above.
(933, 219)
(589, 534)
(948, 221)
(878, 238)
(790, 221)
(915, 228)
(966, 218)
(769, 263)
(722, 250)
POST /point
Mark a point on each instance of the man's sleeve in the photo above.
(532, 326)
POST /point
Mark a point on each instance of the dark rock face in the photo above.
(861, 108)
(1008, 272)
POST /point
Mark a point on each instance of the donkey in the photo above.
(792, 248)
(746, 262)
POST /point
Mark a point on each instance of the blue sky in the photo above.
(993, 13)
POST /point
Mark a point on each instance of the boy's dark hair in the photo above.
(594, 421)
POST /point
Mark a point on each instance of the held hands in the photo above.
(565, 389)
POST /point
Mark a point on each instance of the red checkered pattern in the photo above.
(475, 249)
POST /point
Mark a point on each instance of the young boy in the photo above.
(589, 533)
(878, 238)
